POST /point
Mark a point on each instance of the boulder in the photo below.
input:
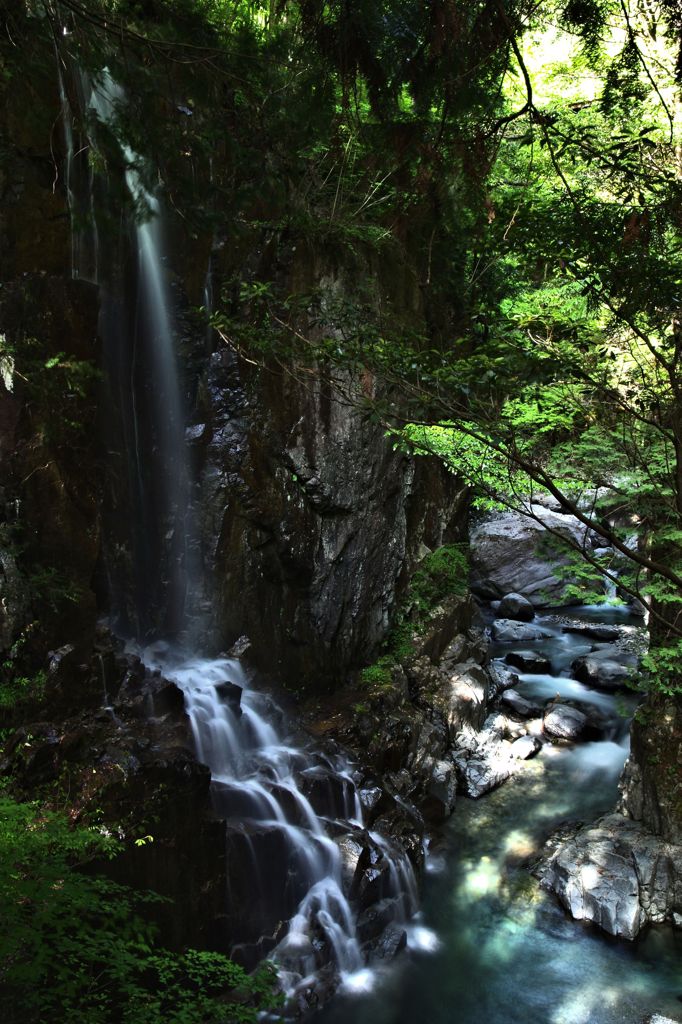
(616, 874)
(529, 661)
(377, 918)
(525, 747)
(231, 695)
(483, 761)
(521, 706)
(391, 942)
(510, 631)
(516, 606)
(601, 673)
(564, 722)
(515, 553)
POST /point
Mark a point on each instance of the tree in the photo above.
(557, 368)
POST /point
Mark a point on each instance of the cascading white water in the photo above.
(260, 778)
(154, 311)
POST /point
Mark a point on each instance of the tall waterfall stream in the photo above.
(488, 945)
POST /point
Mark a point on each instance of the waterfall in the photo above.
(266, 786)
(145, 428)
(262, 780)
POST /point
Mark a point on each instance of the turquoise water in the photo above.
(503, 952)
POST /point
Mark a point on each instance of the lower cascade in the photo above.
(295, 815)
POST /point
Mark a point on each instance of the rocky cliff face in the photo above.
(312, 521)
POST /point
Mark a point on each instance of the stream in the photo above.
(501, 950)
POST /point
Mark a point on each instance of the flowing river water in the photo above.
(502, 950)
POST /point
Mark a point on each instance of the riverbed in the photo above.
(490, 947)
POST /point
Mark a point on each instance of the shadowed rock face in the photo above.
(310, 521)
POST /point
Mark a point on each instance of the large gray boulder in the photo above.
(511, 700)
(618, 875)
(516, 554)
(516, 606)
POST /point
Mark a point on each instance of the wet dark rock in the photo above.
(370, 798)
(326, 790)
(230, 694)
(392, 941)
(516, 606)
(509, 631)
(564, 722)
(355, 858)
(375, 919)
(529, 661)
(259, 899)
(603, 673)
(168, 699)
(373, 884)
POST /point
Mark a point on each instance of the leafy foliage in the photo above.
(76, 946)
(441, 574)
